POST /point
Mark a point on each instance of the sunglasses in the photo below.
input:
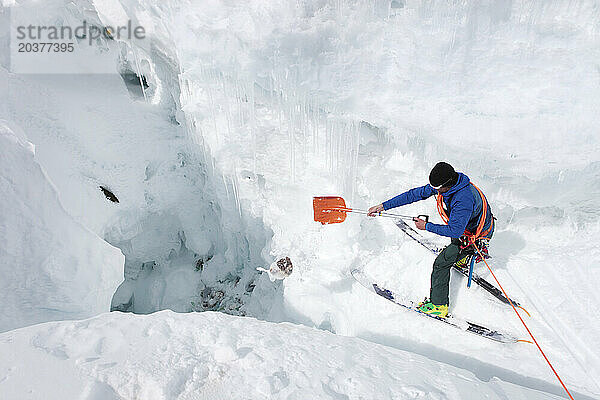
(442, 185)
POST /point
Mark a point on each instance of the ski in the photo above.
(457, 323)
(435, 249)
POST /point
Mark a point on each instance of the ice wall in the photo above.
(185, 249)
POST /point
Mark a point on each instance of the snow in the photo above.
(142, 155)
(52, 267)
(212, 355)
(254, 108)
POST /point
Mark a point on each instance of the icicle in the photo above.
(236, 195)
(213, 112)
(290, 119)
(225, 184)
(139, 72)
(279, 110)
(304, 123)
(226, 104)
(253, 129)
(315, 130)
(355, 166)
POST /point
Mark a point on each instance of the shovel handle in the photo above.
(425, 217)
(365, 212)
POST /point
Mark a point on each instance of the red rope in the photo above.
(523, 322)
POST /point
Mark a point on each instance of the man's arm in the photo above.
(459, 218)
(416, 194)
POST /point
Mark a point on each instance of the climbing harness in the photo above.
(468, 238)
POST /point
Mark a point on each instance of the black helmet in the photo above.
(442, 175)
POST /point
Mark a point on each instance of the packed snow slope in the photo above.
(52, 267)
(215, 356)
(255, 107)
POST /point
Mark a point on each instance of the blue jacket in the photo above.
(462, 202)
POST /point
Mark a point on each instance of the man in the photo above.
(468, 219)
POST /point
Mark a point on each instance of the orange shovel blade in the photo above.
(329, 209)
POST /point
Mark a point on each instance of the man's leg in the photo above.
(440, 276)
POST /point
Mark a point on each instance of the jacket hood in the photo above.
(462, 182)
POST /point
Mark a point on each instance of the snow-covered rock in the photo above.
(51, 267)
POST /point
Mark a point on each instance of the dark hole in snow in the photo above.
(109, 195)
(210, 299)
(200, 262)
(149, 265)
(173, 120)
(134, 83)
(123, 306)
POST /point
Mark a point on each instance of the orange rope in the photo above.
(523, 322)
(440, 206)
(478, 233)
(526, 312)
(484, 207)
